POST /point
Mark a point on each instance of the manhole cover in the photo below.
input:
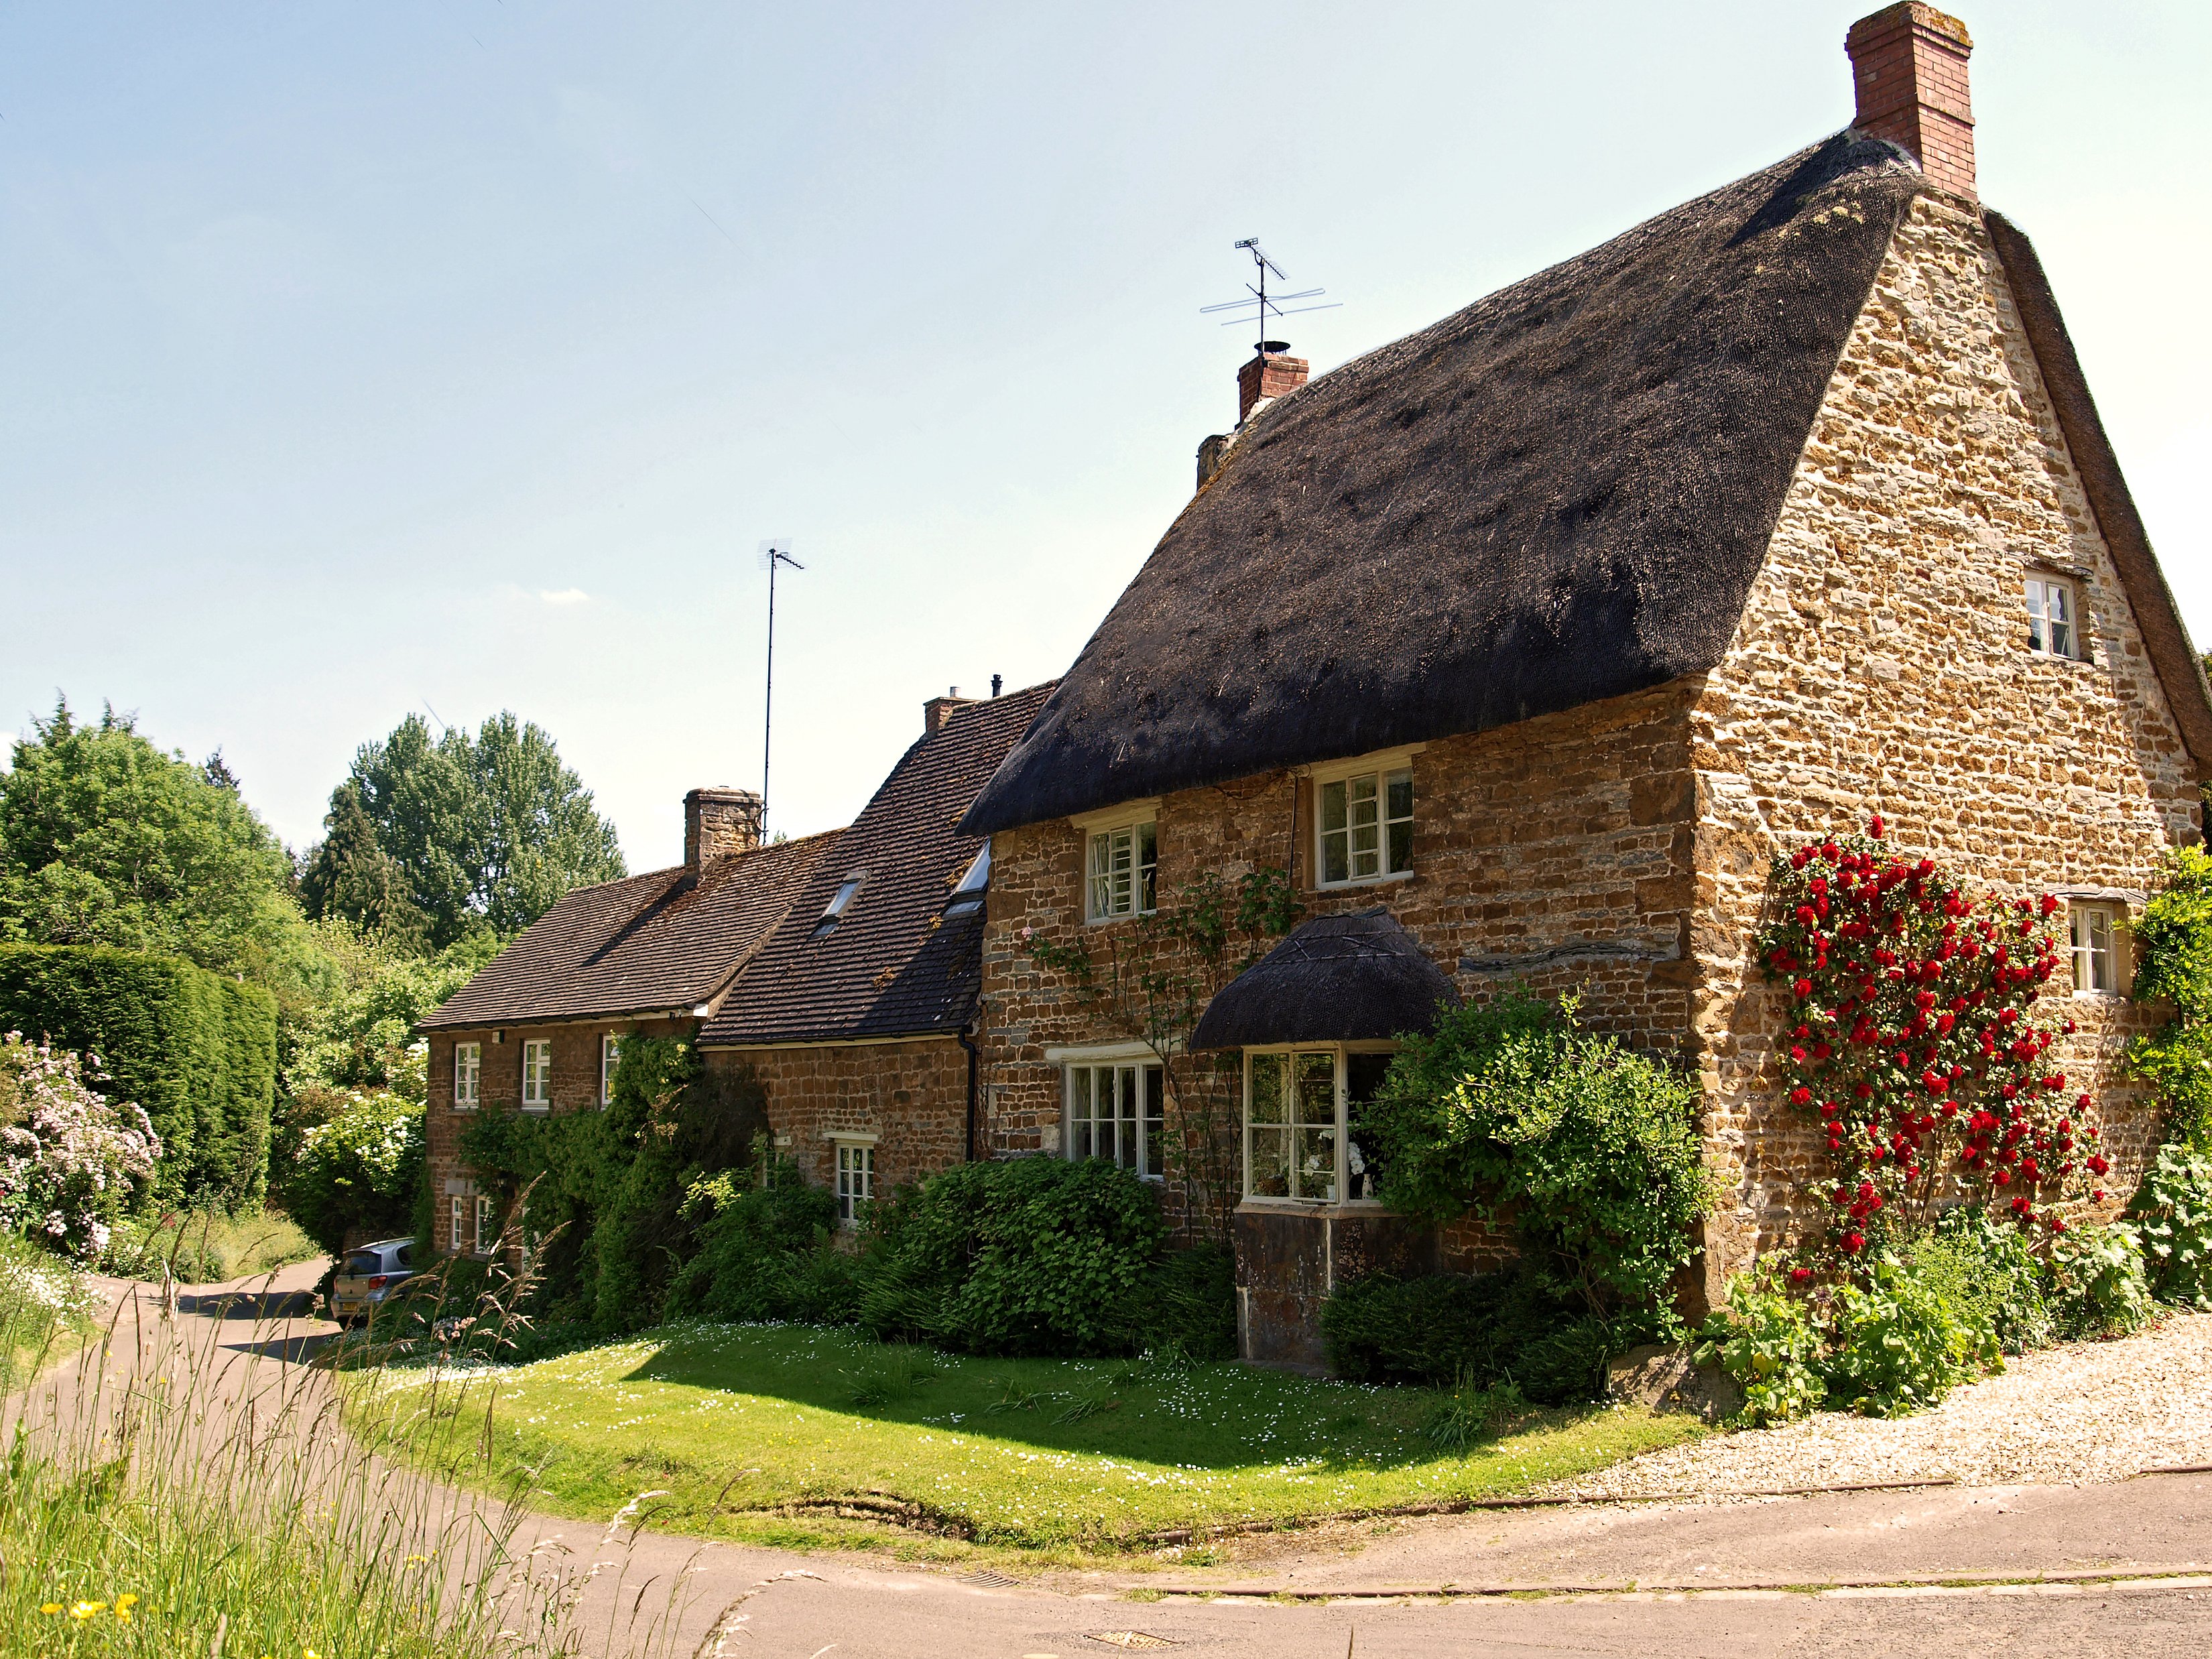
(985, 1577)
(1132, 1638)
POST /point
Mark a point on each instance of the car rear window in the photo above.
(361, 1262)
(403, 1256)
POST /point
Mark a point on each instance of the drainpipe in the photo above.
(968, 1041)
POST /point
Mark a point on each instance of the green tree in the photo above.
(483, 831)
(105, 840)
(350, 877)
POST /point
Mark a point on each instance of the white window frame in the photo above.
(968, 893)
(487, 1233)
(609, 1057)
(1133, 1079)
(1332, 1125)
(852, 1164)
(1104, 898)
(542, 1101)
(458, 1208)
(468, 1076)
(841, 902)
(1382, 770)
(2054, 635)
(2085, 920)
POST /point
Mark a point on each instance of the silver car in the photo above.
(368, 1274)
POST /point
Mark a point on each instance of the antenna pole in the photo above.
(768, 711)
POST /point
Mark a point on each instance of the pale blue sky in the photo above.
(360, 359)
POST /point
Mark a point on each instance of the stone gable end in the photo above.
(1882, 663)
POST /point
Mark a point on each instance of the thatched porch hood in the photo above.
(1336, 979)
(1559, 494)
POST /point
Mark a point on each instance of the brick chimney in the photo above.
(1268, 375)
(938, 710)
(1908, 66)
(718, 823)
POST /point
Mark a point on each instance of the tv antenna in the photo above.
(776, 550)
(1263, 305)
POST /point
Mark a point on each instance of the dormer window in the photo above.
(968, 897)
(2053, 618)
(839, 901)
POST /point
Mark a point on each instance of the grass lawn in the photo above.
(732, 1422)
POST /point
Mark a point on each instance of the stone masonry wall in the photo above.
(1557, 851)
(912, 1096)
(1883, 664)
(575, 1087)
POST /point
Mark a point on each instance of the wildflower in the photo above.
(50, 1607)
(84, 1610)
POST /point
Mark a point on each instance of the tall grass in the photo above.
(46, 1309)
(207, 1247)
(191, 1490)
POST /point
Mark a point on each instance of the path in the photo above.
(1688, 1565)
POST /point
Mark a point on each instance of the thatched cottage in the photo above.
(1520, 645)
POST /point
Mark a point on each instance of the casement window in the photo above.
(1118, 1112)
(1304, 1114)
(609, 1057)
(2096, 929)
(487, 1226)
(1123, 872)
(968, 897)
(856, 1179)
(839, 901)
(456, 1240)
(538, 1077)
(2053, 618)
(468, 1076)
(1363, 826)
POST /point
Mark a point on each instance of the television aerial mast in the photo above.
(776, 550)
(1261, 306)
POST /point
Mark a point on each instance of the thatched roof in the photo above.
(1336, 979)
(1560, 494)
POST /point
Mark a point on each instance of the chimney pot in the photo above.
(1267, 375)
(717, 822)
(1909, 70)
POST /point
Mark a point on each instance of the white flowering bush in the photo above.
(69, 1158)
(359, 1171)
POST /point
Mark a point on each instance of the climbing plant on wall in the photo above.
(1914, 1040)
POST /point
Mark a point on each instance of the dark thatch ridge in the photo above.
(1336, 979)
(1559, 494)
(2165, 636)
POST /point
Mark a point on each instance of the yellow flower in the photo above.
(125, 1602)
(123, 1615)
(52, 1606)
(86, 1609)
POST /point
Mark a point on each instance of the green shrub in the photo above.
(1034, 1255)
(1587, 1150)
(2172, 1212)
(1769, 1341)
(2171, 943)
(1472, 1413)
(205, 1247)
(357, 1174)
(1899, 1346)
(196, 1050)
(765, 1253)
(2098, 1286)
(1985, 1268)
(1187, 1307)
(1442, 1330)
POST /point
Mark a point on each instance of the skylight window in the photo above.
(968, 897)
(839, 901)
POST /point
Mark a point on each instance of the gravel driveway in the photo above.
(2079, 1412)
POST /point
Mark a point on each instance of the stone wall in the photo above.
(1882, 663)
(575, 1087)
(911, 1095)
(1556, 851)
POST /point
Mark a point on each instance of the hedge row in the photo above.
(198, 1051)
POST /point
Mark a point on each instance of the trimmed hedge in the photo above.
(198, 1051)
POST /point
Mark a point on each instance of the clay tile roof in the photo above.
(895, 965)
(1336, 979)
(645, 945)
(1559, 494)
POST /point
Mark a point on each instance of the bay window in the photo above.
(1304, 1131)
